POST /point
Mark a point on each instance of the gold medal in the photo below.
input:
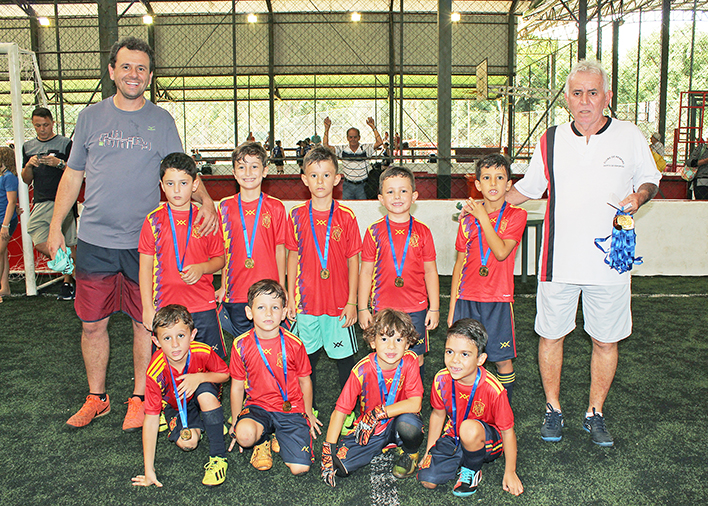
(484, 271)
(398, 282)
(249, 263)
(186, 434)
(623, 222)
(324, 273)
(287, 406)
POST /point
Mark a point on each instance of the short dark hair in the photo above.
(470, 329)
(355, 129)
(171, 314)
(389, 321)
(266, 287)
(493, 160)
(43, 112)
(178, 161)
(321, 154)
(396, 171)
(133, 44)
(250, 148)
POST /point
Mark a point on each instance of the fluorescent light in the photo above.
(455, 17)
(147, 19)
(43, 21)
(252, 18)
(356, 17)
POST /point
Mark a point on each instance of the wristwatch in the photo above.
(61, 164)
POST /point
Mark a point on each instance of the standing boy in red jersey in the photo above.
(483, 283)
(185, 375)
(269, 367)
(471, 422)
(323, 267)
(387, 385)
(176, 262)
(398, 268)
(253, 225)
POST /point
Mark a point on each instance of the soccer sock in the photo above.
(214, 427)
(411, 436)
(473, 460)
(314, 358)
(141, 397)
(344, 366)
(102, 396)
(507, 381)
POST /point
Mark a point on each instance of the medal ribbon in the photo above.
(250, 243)
(180, 261)
(620, 256)
(284, 394)
(396, 265)
(469, 405)
(182, 408)
(323, 257)
(484, 257)
(388, 398)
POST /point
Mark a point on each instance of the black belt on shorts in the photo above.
(356, 182)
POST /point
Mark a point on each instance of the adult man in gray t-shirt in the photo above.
(118, 145)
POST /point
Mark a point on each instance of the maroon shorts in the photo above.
(107, 282)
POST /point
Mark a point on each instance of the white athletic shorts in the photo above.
(606, 310)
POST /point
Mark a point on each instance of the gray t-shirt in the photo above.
(120, 152)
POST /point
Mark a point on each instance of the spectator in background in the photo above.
(8, 202)
(699, 160)
(278, 158)
(657, 151)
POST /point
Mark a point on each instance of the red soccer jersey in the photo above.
(498, 286)
(363, 384)
(314, 295)
(269, 233)
(159, 385)
(167, 285)
(261, 388)
(413, 295)
(490, 403)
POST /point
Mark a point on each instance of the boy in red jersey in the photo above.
(269, 366)
(483, 283)
(398, 268)
(390, 393)
(176, 262)
(480, 423)
(253, 226)
(184, 375)
(323, 266)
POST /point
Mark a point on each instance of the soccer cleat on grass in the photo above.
(348, 426)
(467, 482)
(274, 445)
(134, 417)
(406, 465)
(552, 427)
(215, 471)
(163, 422)
(94, 407)
(262, 458)
(595, 425)
(66, 292)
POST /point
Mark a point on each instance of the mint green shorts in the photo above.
(324, 330)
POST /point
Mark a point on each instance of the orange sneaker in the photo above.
(92, 408)
(135, 415)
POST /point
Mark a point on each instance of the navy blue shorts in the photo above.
(291, 429)
(209, 331)
(194, 419)
(352, 455)
(423, 345)
(445, 457)
(236, 312)
(498, 320)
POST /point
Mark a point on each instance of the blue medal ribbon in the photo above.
(484, 257)
(323, 257)
(396, 265)
(284, 394)
(469, 405)
(182, 408)
(620, 255)
(388, 397)
(180, 261)
(250, 243)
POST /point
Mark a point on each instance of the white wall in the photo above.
(672, 235)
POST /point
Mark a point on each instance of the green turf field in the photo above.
(656, 410)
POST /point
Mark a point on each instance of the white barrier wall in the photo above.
(672, 235)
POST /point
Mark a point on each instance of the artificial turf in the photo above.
(656, 411)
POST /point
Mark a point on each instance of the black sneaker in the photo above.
(467, 482)
(66, 292)
(552, 427)
(595, 425)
